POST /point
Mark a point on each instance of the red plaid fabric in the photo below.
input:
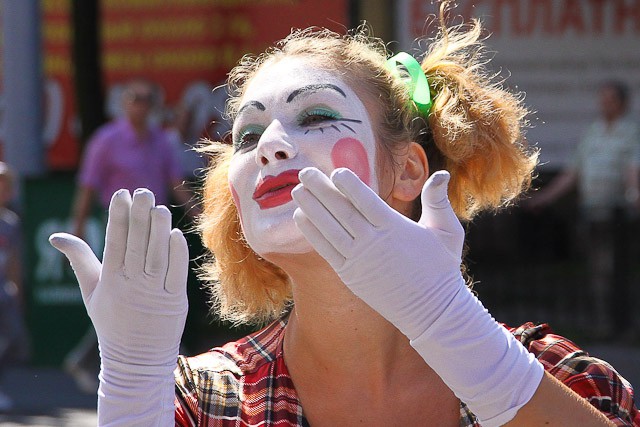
(591, 378)
(246, 383)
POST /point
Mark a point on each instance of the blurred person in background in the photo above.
(605, 170)
(14, 341)
(128, 152)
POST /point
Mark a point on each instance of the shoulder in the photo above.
(211, 362)
(590, 377)
(242, 357)
(163, 144)
(217, 381)
(630, 129)
(159, 135)
(629, 122)
(547, 346)
(113, 127)
(107, 133)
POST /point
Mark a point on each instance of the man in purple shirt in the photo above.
(129, 153)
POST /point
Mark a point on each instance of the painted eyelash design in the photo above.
(322, 128)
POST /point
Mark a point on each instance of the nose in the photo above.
(274, 145)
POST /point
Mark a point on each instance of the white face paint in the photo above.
(293, 115)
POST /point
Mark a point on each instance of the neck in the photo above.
(140, 127)
(355, 339)
(334, 341)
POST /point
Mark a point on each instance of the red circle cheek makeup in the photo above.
(350, 153)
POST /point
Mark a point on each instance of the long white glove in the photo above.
(138, 304)
(410, 273)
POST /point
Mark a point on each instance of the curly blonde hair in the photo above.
(474, 131)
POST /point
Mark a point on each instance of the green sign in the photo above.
(56, 315)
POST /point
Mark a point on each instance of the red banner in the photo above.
(186, 47)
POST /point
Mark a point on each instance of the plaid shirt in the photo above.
(246, 383)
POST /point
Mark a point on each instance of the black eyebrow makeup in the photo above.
(259, 105)
(314, 88)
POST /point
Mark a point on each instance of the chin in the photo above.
(293, 248)
(278, 239)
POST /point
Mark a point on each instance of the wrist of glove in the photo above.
(409, 272)
(131, 395)
(480, 361)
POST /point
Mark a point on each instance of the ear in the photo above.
(412, 175)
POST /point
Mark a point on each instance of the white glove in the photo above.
(138, 305)
(410, 273)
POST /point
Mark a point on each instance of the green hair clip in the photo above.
(417, 82)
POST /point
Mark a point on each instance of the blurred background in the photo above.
(65, 64)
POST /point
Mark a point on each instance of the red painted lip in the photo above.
(276, 190)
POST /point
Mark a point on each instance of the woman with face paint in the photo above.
(333, 217)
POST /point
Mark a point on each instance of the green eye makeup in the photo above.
(317, 115)
(247, 138)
